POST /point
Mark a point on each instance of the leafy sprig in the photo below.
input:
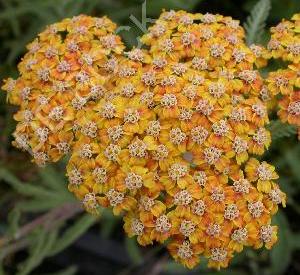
(256, 22)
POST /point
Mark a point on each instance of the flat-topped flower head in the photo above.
(285, 45)
(165, 135)
(62, 64)
(284, 42)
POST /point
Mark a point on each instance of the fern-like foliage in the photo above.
(280, 130)
(256, 21)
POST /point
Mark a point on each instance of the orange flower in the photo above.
(164, 136)
(60, 75)
(219, 257)
(290, 108)
(280, 81)
(263, 173)
(267, 235)
(134, 227)
(185, 252)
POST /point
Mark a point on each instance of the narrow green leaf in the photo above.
(108, 226)
(25, 189)
(108, 223)
(31, 190)
(45, 241)
(13, 220)
(256, 21)
(133, 250)
(35, 251)
(281, 253)
(52, 178)
(73, 233)
(39, 205)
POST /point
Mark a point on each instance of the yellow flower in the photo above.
(263, 173)
(280, 81)
(267, 235)
(285, 45)
(219, 257)
(289, 108)
(133, 226)
(185, 253)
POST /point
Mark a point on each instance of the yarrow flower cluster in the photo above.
(170, 141)
(285, 83)
(64, 71)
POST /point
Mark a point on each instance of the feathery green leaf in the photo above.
(280, 130)
(256, 21)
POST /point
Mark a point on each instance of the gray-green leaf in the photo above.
(280, 130)
(256, 21)
(73, 233)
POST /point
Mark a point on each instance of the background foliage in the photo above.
(43, 229)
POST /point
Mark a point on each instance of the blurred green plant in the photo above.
(45, 235)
